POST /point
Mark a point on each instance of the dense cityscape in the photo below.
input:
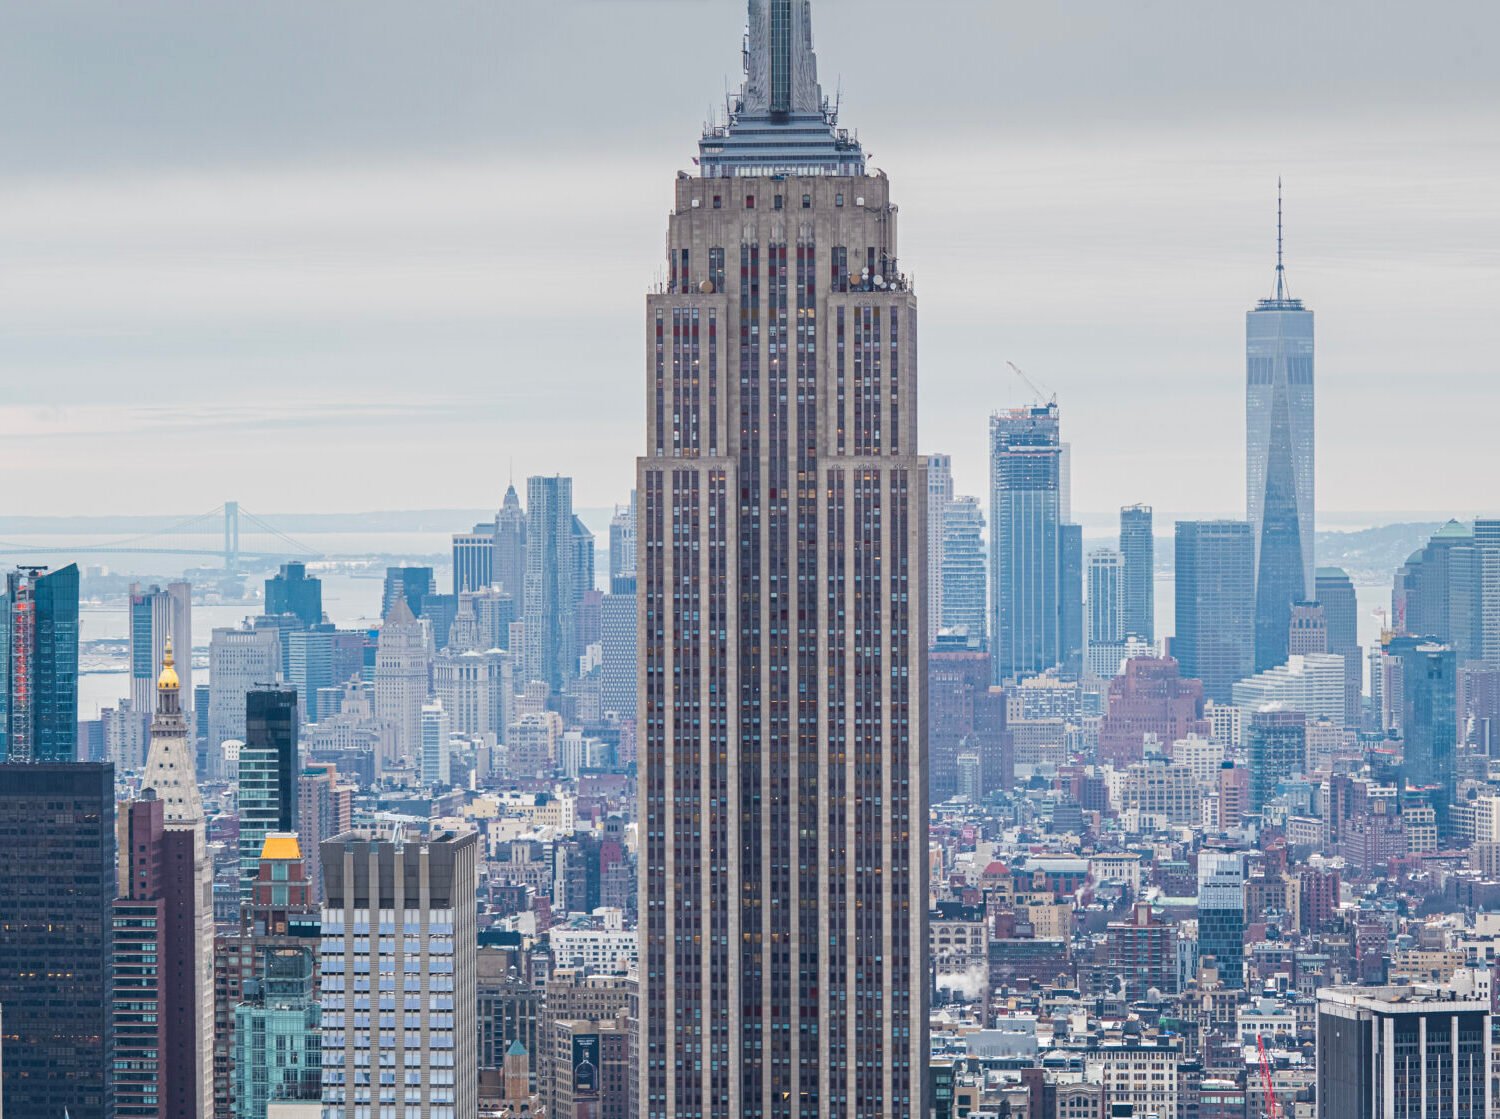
(810, 787)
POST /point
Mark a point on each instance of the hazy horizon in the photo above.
(296, 253)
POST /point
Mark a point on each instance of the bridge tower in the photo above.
(231, 536)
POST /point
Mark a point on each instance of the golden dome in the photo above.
(168, 678)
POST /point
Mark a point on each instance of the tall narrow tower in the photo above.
(1279, 460)
(781, 585)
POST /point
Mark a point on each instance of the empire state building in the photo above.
(781, 570)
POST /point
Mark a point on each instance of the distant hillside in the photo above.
(1372, 555)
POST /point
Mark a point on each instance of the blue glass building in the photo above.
(1279, 462)
(1215, 639)
(39, 670)
(1026, 557)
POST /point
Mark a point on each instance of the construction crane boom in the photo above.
(1029, 383)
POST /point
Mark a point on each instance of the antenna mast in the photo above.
(1280, 242)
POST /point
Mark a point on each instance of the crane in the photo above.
(1029, 383)
(1273, 1107)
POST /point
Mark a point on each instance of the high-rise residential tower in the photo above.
(963, 572)
(157, 618)
(1026, 598)
(1221, 912)
(939, 494)
(1138, 546)
(1279, 460)
(552, 587)
(1215, 639)
(782, 579)
(1106, 609)
(39, 665)
(1487, 541)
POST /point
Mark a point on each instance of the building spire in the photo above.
(781, 71)
(1281, 292)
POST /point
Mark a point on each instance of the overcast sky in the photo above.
(358, 255)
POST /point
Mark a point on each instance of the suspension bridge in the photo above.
(215, 534)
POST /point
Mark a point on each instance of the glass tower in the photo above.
(1138, 546)
(1279, 461)
(1025, 550)
(267, 775)
(1221, 913)
(39, 671)
(1215, 639)
(963, 570)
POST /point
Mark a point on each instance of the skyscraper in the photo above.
(240, 660)
(57, 879)
(1279, 463)
(403, 659)
(622, 533)
(1106, 608)
(402, 908)
(510, 548)
(1221, 912)
(1215, 639)
(1138, 547)
(268, 775)
(1438, 592)
(1403, 1051)
(473, 559)
(157, 617)
(1277, 741)
(1426, 716)
(552, 586)
(39, 669)
(1487, 540)
(293, 591)
(963, 571)
(783, 638)
(1341, 609)
(412, 584)
(1026, 599)
(939, 494)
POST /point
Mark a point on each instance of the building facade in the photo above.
(1138, 547)
(1279, 462)
(1215, 639)
(399, 909)
(939, 494)
(963, 571)
(552, 583)
(57, 876)
(1026, 594)
(268, 772)
(39, 665)
(782, 575)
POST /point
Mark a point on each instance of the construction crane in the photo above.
(1273, 1107)
(1029, 383)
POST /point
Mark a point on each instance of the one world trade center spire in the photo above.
(1279, 467)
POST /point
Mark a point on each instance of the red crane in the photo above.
(1273, 1108)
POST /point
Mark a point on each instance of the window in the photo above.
(807, 202)
(749, 201)
(718, 202)
(838, 199)
(780, 202)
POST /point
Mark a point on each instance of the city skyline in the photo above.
(110, 244)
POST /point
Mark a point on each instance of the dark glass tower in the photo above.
(554, 553)
(1138, 546)
(1215, 639)
(781, 581)
(1341, 608)
(1279, 466)
(39, 719)
(57, 890)
(293, 591)
(267, 775)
